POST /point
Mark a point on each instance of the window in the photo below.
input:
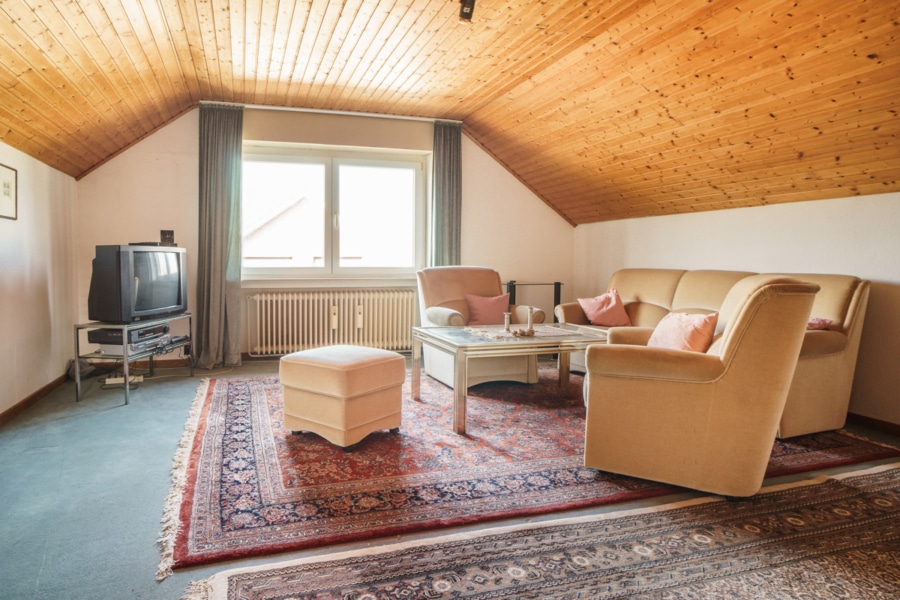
(308, 213)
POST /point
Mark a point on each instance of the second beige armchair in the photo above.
(442, 302)
(703, 420)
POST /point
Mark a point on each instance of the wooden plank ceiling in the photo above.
(605, 109)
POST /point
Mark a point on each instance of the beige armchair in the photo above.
(701, 420)
(442, 303)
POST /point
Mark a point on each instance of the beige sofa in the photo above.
(820, 390)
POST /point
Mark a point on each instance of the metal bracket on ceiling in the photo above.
(466, 8)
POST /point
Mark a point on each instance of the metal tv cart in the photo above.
(130, 354)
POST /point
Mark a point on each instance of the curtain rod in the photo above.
(332, 112)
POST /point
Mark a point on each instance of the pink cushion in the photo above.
(818, 323)
(682, 331)
(606, 309)
(487, 311)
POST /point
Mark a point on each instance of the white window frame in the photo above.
(333, 156)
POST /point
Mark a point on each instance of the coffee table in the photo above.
(464, 343)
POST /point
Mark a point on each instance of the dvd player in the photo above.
(142, 346)
(114, 336)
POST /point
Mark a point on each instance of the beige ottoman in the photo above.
(342, 393)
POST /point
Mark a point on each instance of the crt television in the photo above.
(137, 283)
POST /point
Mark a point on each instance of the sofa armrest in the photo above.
(441, 316)
(520, 314)
(571, 312)
(635, 336)
(820, 343)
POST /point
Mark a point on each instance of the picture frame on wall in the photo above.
(8, 193)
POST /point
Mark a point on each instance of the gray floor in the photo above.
(82, 487)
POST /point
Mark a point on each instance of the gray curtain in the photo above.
(218, 329)
(446, 210)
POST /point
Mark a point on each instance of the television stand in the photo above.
(132, 352)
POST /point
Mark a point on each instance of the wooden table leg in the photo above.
(563, 364)
(416, 375)
(460, 391)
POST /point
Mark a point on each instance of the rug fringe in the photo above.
(170, 520)
(198, 590)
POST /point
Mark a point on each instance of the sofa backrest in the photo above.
(650, 294)
(703, 291)
(646, 293)
(837, 298)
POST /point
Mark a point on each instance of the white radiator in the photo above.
(285, 322)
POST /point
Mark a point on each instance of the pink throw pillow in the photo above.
(606, 309)
(487, 310)
(682, 331)
(818, 323)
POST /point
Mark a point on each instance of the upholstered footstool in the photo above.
(342, 393)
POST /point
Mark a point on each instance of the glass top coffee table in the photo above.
(464, 343)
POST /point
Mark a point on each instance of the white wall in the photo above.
(855, 236)
(506, 227)
(38, 282)
(151, 186)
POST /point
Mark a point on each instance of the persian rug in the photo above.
(828, 538)
(243, 486)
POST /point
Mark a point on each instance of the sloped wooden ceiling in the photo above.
(606, 110)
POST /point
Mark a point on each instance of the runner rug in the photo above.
(245, 486)
(826, 538)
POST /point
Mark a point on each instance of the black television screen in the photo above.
(137, 283)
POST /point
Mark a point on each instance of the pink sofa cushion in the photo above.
(606, 309)
(816, 323)
(683, 331)
(487, 310)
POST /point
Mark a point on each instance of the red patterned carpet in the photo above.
(244, 486)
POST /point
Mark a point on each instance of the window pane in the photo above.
(377, 216)
(283, 214)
